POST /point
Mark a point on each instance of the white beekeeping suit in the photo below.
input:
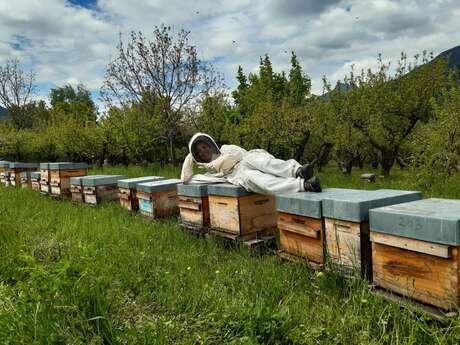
(255, 170)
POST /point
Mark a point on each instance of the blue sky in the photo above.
(72, 41)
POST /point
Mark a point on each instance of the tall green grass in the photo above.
(72, 274)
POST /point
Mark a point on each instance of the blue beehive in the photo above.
(99, 180)
(127, 192)
(132, 182)
(67, 166)
(158, 198)
(97, 188)
(226, 189)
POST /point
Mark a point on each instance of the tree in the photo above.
(16, 91)
(165, 74)
(76, 102)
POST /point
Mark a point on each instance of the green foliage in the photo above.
(74, 102)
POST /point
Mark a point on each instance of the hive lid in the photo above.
(4, 164)
(35, 175)
(24, 174)
(227, 189)
(15, 165)
(76, 180)
(193, 189)
(158, 186)
(131, 182)
(432, 220)
(306, 204)
(354, 205)
(67, 165)
(98, 180)
(45, 165)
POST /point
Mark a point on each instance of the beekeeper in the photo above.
(255, 170)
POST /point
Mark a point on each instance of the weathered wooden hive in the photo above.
(240, 215)
(193, 204)
(127, 191)
(301, 225)
(5, 173)
(158, 198)
(99, 188)
(45, 178)
(76, 189)
(25, 179)
(416, 250)
(60, 174)
(346, 218)
(15, 170)
(35, 180)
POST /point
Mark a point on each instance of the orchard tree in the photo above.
(163, 73)
(75, 102)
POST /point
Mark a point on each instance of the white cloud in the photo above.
(66, 43)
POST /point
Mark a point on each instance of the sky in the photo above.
(72, 41)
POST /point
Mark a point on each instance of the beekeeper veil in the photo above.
(206, 139)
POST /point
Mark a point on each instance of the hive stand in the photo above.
(35, 181)
(301, 226)
(193, 204)
(157, 199)
(346, 218)
(239, 215)
(416, 250)
(5, 173)
(25, 179)
(60, 174)
(45, 177)
(127, 191)
(100, 188)
(15, 170)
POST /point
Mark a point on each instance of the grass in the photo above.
(71, 274)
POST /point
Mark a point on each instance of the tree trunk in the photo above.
(298, 154)
(387, 161)
(172, 150)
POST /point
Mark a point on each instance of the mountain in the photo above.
(453, 55)
(4, 114)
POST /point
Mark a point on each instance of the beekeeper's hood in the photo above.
(202, 137)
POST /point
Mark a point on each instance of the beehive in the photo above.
(76, 189)
(127, 191)
(60, 174)
(15, 170)
(158, 198)
(5, 173)
(193, 204)
(100, 188)
(416, 250)
(35, 180)
(238, 214)
(346, 218)
(45, 178)
(25, 179)
(301, 225)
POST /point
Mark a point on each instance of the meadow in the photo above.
(72, 274)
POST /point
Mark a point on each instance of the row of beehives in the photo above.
(402, 243)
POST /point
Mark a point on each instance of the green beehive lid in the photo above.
(354, 205)
(131, 182)
(99, 180)
(4, 164)
(67, 165)
(193, 189)
(22, 165)
(35, 175)
(158, 186)
(76, 180)
(432, 220)
(227, 189)
(45, 165)
(23, 174)
(306, 204)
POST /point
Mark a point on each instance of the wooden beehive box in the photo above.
(76, 189)
(60, 174)
(416, 250)
(346, 218)
(16, 168)
(45, 187)
(193, 204)
(127, 191)
(4, 173)
(301, 225)
(35, 180)
(100, 188)
(238, 214)
(25, 179)
(158, 198)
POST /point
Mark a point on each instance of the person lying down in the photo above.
(255, 170)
